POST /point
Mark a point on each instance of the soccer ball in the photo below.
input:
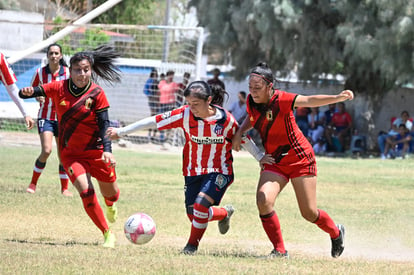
(139, 228)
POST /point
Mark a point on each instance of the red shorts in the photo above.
(87, 162)
(299, 169)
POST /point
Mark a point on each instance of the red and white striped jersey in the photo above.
(7, 75)
(208, 144)
(42, 76)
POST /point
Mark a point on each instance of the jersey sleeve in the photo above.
(102, 102)
(36, 78)
(7, 75)
(170, 120)
(286, 101)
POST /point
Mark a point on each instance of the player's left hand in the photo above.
(109, 159)
(29, 122)
(266, 159)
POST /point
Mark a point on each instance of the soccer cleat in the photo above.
(31, 189)
(224, 224)
(189, 249)
(111, 213)
(278, 254)
(110, 239)
(67, 193)
(338, 243)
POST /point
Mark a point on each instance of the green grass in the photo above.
(46, 233)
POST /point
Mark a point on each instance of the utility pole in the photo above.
(166, 37)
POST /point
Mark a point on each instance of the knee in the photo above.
(263, 200)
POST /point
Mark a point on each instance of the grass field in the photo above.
(46, 233)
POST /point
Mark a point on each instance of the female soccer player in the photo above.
(270, 112)
(9, 80)
(47, 124)
(85, 151)
(207, 156)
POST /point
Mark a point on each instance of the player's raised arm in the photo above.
(116, 133)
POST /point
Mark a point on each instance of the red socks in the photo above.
(37, 171)
(199, 224)
(93, 209)
(327, 224)
(64, 178)
(271, 226)
(216, 213)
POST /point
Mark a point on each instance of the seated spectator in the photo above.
(339, 129)
(301, 117)
(398, 145)
(238, 108)
(382, 137)
(316, 120)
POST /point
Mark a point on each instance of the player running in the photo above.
(9, 80)
(47, 124)
(207, 155)
(270, 112)
(85, 151)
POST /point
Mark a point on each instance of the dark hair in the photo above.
(170, 72)
(153, 73)
(264, 71)
(243, 94)
(102, 62)
(62, 61)
(202, 90)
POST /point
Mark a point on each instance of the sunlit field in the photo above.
(46, 233)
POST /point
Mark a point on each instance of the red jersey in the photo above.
(78, 127)
(7, 75)
(280, 134)
(342, 120)
(42, 76)
(208, 144)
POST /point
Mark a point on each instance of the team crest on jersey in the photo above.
(62, 103)
(218, 130)
(88, 103)
(269, 115)
(166, 115)
(221, 181)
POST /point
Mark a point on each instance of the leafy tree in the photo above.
(368, 41)
(134, 12)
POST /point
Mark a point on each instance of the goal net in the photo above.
(143, 49)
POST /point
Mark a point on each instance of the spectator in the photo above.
(151, 91)
(9, 80)
(181, 87)
(316, 120)
(301, 116)
(382, 137)
(168, 90)
(215, 80)
(399, 144)
(329, 114)
(339, 129)
(238, 108)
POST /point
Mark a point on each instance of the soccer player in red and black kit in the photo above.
(207, 155)
(85, 151)
(270, 112)
(47, 124)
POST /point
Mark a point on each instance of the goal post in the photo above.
(142, 50)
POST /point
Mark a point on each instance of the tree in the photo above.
(369, 42)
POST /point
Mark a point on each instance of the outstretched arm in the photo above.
(116, 133)
(13, 91)
(321, 100)
(237, 138)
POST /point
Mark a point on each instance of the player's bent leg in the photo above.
(224, 224)
(108, 190)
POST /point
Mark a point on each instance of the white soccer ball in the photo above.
(139, 228)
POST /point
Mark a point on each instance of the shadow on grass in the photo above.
(51, 243)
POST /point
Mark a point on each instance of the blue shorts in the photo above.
(46, 125)
(213, 184)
